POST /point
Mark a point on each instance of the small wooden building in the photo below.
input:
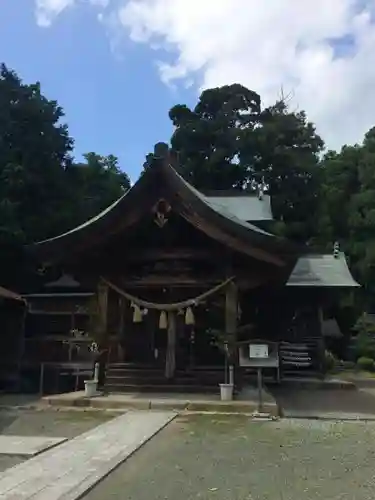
(12, 318)
(171, 268)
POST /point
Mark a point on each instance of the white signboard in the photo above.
(258, 351)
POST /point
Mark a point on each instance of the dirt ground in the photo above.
(233, 458)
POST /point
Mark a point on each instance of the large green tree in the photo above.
(228, 142)
(284, 151)
(93, 185)
(34, 150)
(208, 138)
(42, 191)
(347, 210)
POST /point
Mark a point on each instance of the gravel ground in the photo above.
(231, 458)
(46, 423)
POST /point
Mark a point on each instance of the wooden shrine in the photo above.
(175, 274)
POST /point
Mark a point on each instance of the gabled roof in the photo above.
(216, 218)
(322, 271)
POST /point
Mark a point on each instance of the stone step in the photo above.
(160, 388)
(152, 368)
(161, 380)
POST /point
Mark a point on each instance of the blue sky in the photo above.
(116, 99)
(114, 103)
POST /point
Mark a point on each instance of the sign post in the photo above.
(260, 395)
(257, 355)
(259, 352)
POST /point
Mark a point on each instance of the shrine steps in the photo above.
(123, 377)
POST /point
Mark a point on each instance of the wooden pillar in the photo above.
(321, 343)
(231, 314)
(102, 339)
(170, 360)
(102, 333)
(121, 329)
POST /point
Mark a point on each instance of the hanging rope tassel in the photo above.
(137, 314)
(163, 321)
(189, 317)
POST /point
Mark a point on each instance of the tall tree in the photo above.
(283, 151)
(42, 192)
(93, 185)
(228, 142)
(347, 211)
(34, 150)
(207, 139)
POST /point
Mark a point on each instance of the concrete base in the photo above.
(246, 402)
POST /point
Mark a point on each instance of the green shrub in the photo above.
(364, 342)
(364, 346)
(366, 364)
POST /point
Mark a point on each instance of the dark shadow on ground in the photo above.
(360, 401)
(19, 399)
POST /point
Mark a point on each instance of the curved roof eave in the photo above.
(210, 209)
(85, 224)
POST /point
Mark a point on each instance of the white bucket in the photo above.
(91, 387)
(226, 392)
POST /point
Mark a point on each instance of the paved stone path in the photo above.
(69, 470)
(28, 446)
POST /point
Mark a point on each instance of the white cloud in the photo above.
(266, 45)
(47, 10)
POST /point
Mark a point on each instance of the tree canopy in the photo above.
(42, 190)
(228, 142)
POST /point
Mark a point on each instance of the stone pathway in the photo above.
(27, 446)
(69, 470)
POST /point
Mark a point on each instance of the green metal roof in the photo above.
(322, 271)
(223, 209)
(249, 208)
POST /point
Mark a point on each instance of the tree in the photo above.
(228, 142)
(34, 150)
(207, 139)
(347, 211)
(42, 191)
(93, 185)
(283, 151)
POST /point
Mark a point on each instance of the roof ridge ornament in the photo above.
(164, 154)
(161, 150)
(161, 210)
